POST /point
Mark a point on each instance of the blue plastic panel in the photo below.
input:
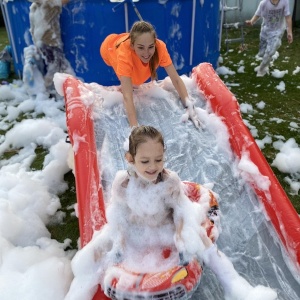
(190, 28)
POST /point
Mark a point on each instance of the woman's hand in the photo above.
(191, 114)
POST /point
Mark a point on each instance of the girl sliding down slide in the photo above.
(148, 213)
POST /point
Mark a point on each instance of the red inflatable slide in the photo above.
(88, 185)
(277, 205)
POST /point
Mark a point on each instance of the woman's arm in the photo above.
(178, 83)
(184, 97)
(127, 90)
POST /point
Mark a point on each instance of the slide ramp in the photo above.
(261, 240)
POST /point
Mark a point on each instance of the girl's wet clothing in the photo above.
(44, 22)
(272, 28)
(46, 34)
(156, 215)
(273, 17)
(145, 218)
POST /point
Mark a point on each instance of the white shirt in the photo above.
(273, 17)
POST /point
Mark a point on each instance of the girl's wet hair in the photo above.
(140, 135)
(138, 28)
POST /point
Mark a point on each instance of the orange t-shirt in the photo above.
(124, 60)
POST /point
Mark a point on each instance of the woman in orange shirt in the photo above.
(135, 56)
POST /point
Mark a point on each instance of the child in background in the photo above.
(32, 75)
(276, 19)
(46, 34)
(149, 210)
(135, 56)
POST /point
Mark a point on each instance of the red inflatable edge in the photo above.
(90, 202)
(276, 203)
(89, 193)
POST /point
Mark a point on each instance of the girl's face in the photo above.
(144, 46)
(149, 159)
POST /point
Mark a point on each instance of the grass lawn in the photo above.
(3, 38)
(248, 89)
(69, 228)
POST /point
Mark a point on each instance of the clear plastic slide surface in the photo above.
(260, 236)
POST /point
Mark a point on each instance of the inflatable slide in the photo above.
(260, 228)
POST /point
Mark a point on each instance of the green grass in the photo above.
(38, 161)
(252, 90)
(69, 227)
(3, 38)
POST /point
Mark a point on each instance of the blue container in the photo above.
(190, 28)
(16, 19)
(5, 60)
(4, 69)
